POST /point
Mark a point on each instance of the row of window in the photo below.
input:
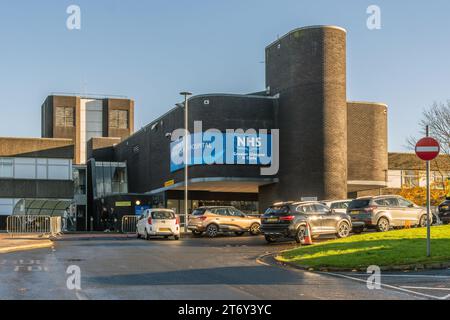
(416, 178)
(35, 168)
(65, 117)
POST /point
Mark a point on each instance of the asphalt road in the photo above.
(198, 269)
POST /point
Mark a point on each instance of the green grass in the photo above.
(394, 248)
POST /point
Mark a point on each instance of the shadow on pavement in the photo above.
(257, 275)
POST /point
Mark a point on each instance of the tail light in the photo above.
(370, 209)
(203, 218)
(149, 220)
(287, 218)
(177, 220)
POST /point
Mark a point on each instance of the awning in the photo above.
(44, 207)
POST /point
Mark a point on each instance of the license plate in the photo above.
(270, 220)
(164, 229)
(354, 213)
(444, 207)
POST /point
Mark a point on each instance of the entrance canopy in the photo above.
(44, 207)
(222, 184)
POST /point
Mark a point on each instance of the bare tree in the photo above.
(437, 117)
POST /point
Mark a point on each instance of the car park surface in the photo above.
(226, 267)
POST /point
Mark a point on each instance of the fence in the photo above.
(129, 224)
(37, 225)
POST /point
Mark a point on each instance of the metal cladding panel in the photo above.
(367, 141)
(307, 68)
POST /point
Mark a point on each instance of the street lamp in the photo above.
(186, 94)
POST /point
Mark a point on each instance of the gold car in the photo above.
(212, 220)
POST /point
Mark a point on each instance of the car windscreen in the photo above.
(278, 210)
(198, 212)
(360, 203)
(163, 215)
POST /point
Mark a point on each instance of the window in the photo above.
(6, 168)
(321, 209)
(404, 203)
(392, 202)
(410, 178)
(118, 119)
(65, 117)
(25, 168)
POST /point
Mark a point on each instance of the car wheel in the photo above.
(138, 235)
(212, 230)
(239, 233)
(423, 221)
(270, 239)
(176, 237)
(166, 237)
(300, 234)
(254, 229)
(343, 230)
(146, 235)
(383, 225)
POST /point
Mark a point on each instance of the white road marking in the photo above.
(426, 288)
(389, 286)
(405, 275)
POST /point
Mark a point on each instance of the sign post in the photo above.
(428, 149)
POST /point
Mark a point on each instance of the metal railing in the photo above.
(33, 225)
(129, 224)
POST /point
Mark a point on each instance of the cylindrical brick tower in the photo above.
(367, 129)
(307, 68)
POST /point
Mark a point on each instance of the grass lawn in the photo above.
(399, 247)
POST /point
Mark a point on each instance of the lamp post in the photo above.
(186, 94)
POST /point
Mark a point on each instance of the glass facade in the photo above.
(110, 178)
(35, 169)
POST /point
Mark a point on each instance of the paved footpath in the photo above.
(9, 244)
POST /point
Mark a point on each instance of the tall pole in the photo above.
(186, 158)
(428, 203)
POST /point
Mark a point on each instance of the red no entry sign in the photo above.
(427, 149)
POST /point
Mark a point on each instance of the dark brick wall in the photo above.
(367, 141)
(36, 189)
(307, 67)
(148, 151)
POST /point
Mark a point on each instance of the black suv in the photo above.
(444, 211)
(289, 219)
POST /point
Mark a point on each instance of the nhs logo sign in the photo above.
(215, 147)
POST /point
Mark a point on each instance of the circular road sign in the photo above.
(427, 149)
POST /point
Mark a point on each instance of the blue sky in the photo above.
(151, 50)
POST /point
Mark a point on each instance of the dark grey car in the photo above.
(289, 220)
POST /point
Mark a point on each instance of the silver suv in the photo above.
(385, 212)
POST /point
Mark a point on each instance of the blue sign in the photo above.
(208, 148)
(139, 210)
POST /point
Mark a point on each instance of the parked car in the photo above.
(384, 212)
(444, 211)
(289, 220)
(339, 206)
(158, 222)
(212, 220)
